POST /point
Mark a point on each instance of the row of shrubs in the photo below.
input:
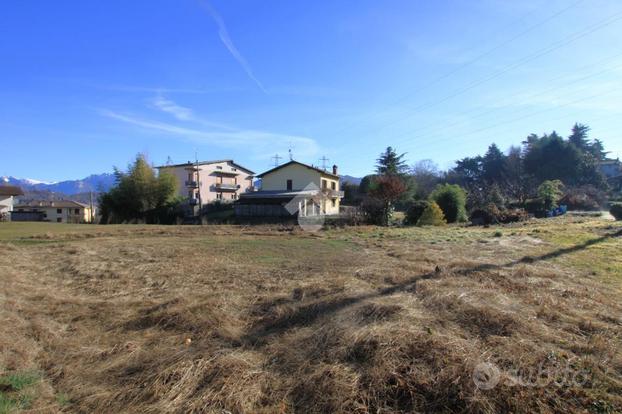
(447, 204)
(429, 213)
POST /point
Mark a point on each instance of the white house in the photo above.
(7, 192)
(610, 168)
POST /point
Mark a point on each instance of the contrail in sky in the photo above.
(226, 40)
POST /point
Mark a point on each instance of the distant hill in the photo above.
(351, 180)
(94, 182)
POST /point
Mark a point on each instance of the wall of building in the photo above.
(6, 204)
(301, 177)
(209, 177)
(612, 169)
(66, 214)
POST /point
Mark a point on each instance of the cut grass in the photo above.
(271, 319)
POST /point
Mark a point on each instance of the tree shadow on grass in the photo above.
(307, 314)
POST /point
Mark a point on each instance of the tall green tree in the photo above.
(390, 163)
(518, 185)
(597, 148)
(494, 165)
(553, 158)
(579, 137)
(467, 172)
(138, 195)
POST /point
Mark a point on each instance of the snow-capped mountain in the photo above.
(35, 182)
(95, 183)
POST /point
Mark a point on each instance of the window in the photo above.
(333, 185)
(45, 215)
(219, 196)
(218, 167)
(233, 196)
(324, 184)
(59, 211)
(290, 185)
(233, 169)
(59, 219)
(77, 211)
(334, 202)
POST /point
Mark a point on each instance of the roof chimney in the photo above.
(334, 170)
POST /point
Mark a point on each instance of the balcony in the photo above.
(193, 201)
(192, 184)
(226, 173)
(227, 187)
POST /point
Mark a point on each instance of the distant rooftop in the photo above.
(10, 190)
(311, 167)
(191, 163)
(54, 203)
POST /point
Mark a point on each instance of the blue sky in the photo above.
(84, 86)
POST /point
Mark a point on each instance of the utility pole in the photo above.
(196, 160)
(324, 161)
(276, 159)
(92, 210)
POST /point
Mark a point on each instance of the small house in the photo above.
(58, 211)
(7, 194)
(293, 189)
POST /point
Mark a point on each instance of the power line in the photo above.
(477, 58)
(489, 111)
(429, 127)
(324, 161)
(276, 159)
(557, 45)
(558, 119)
(529, 115)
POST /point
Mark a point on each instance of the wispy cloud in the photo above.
(170, 107)
(261, 144)
(226, 40)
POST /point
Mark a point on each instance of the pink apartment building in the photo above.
(207, 181)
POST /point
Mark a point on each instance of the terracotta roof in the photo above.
(52, 204)
(299, 163)
(190, 163)
(10, 190)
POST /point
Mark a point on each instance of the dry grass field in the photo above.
(217, 319)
